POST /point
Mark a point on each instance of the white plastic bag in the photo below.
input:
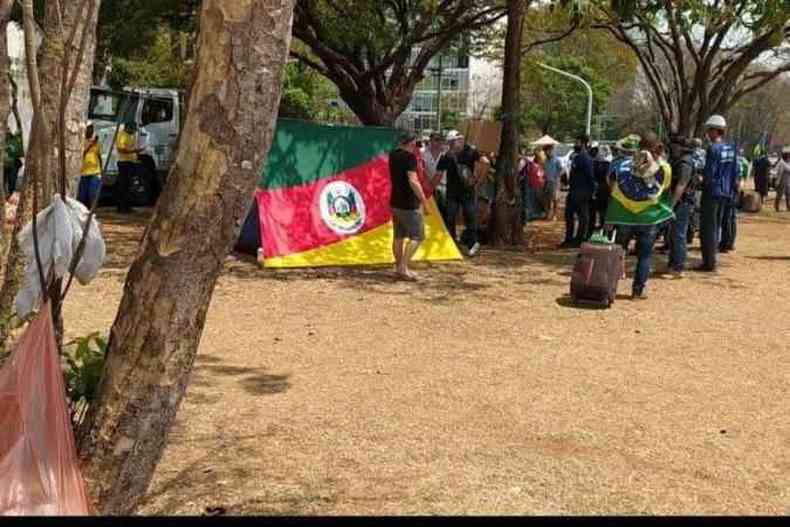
(60, 229)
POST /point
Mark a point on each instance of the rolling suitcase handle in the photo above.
(600, 237)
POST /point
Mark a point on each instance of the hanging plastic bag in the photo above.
(39, 471)
(59, 229)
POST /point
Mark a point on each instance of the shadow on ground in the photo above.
(255, 381)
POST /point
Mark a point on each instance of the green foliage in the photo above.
(305, 94)
(84, 363)
(160, 67)
(557, 105)
(130, 32)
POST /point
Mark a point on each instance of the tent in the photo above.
(323, 200)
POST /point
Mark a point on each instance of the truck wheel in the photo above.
(140, 189)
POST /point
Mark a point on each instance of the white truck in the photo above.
(159, 114)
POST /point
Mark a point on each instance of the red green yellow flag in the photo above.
(324, 199)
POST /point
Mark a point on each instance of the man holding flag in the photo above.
(640, 200)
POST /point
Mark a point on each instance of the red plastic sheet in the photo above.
(39, 472)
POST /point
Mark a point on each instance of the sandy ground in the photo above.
(480, 390)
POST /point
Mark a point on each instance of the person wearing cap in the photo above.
(458, 169)
(624, 151)
(719, 188)
(682, 189)
(127, 148)
(783, 179)
(90, 172)
(582, 189)
(641, 161)
(406, 199)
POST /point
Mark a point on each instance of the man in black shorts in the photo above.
(405, 200)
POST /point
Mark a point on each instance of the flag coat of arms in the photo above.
(635, 201)
(324, 199)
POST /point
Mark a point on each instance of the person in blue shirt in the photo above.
(553, 170)
(719, 188)
(580, 194)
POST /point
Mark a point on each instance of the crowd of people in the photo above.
(704, 192)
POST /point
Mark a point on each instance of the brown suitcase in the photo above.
(597, 272)
(751, 202)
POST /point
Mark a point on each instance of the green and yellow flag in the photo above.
(635, 201)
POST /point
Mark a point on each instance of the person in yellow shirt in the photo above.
(90, 174)
(126, 145)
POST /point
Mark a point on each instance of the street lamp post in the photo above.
(586, 85)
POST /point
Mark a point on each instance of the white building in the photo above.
(470, 87)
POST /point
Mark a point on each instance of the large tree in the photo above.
(507, 218)
(377, 51)
(698, 55)
(242, 49)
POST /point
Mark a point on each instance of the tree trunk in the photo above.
(5, 100)
(508, 199)
(243, 45)
(74, 13)
(5, 108)
(42, 153)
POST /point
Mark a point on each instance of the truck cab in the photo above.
(159, 117)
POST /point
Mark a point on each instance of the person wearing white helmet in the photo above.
(457, 169)
(783, 179)
(719, 189)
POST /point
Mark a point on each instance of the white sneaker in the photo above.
(474, 249)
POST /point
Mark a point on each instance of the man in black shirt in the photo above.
(682, 188)
(458, 167)
(582, 189)
(405, 200)
(600, 200)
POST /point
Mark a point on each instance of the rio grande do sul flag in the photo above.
(635, 202)
(324, 199)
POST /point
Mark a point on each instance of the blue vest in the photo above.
(721, 171)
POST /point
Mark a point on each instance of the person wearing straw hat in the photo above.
(718, 190)
(552, 170)
(783, 179)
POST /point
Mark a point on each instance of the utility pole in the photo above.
(439, 97)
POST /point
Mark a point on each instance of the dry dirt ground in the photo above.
(480, 389)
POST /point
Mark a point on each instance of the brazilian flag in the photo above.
(635, 201)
